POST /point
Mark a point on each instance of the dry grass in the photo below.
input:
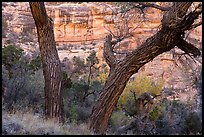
(27, 123)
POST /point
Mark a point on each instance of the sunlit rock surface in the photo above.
(81, 28)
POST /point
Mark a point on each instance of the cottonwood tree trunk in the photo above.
(174, 23)
(50, 62)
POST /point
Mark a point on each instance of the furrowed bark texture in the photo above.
(50, 62)
(164, 40)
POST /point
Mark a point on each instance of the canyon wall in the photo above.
(81, 28)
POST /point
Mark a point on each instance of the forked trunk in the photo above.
(169, 36)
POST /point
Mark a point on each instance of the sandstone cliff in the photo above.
(80, 28)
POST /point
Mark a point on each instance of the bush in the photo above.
(36, 63)
(103, 76)
(11, 56)
(73, 113)
(77, 107)
(134, 89)
(118, 119)
(154, 114)
(25, 92)
(163, 126)
(192, 124)
(24, 82)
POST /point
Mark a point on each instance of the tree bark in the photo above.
(169, 36)
(50, 62)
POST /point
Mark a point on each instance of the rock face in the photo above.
(80, 28)
(93, 21)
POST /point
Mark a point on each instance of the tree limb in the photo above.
(189, 48)
(195, 25)
(159, 43)
(123, 52)
(144, 5)
(173, 18)
(108, 52)
(190, 18)
(119, 39)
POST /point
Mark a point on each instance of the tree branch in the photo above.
(144, 5)
(190, 18)
(161, 42)
(189, 48)
(108, 52)
(119, 39)
(174, 17)
(116, 52)
(109, 31)
(195, 25)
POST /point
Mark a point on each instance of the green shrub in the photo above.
(154, 114)
(79, 65)
(192, 124)
(92, 59)
(118, 119)
(103, 76)
(35, 63)
(25, 92)
(11, 56)
(81, 109)
(163, 125)
(73, 113)
(67, 82)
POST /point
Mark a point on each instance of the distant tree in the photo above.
(91, 61)
(11, 55)
(50, 62)
(79, 65)
(176, 20)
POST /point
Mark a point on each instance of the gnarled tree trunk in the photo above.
(50, 62)
(174, 23)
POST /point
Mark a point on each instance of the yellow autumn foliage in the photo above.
(142, 83)
(102, 77)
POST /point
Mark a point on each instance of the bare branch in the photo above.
(109, 31)
(195, 25)
(119, 39)
(189, 48)
(190, 18)
(116, 52)
(173, 19)
(144, 5)
(108, 52)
